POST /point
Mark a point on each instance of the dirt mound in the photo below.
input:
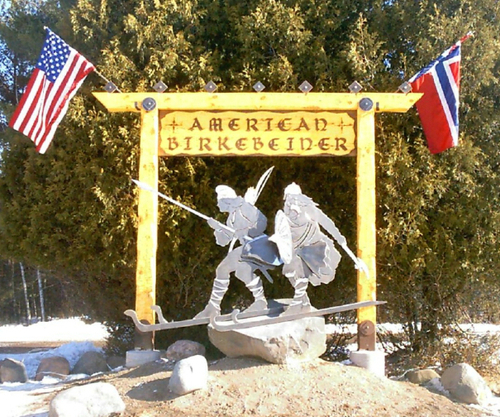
(248, 387)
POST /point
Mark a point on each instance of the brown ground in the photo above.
(250, 387)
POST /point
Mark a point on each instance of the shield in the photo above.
(261, 251)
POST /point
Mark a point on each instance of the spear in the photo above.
(179, 204)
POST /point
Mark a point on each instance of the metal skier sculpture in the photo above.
(307, 254)
(255, 253)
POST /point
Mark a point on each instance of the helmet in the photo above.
(224, 191)
(292, 189)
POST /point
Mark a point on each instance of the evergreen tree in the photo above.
(73, 210)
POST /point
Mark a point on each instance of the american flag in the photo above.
(438, 108)
(58, 74)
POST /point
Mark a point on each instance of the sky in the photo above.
(76, 337)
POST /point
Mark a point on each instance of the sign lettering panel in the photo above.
(269, 133)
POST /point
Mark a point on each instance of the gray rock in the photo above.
(298, 340)
(182, 349)
(465, 384)
(421, 376)
(90, 363)
(93, 400)
(54, 366)
(189, 375)
(12, 371)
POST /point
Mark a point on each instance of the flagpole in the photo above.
(467, 36)
(105, 79)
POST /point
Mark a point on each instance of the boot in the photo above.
(220, 286)
(297, 308)
(300, 302)
(211, 310)
(258, 305)
(255, 287)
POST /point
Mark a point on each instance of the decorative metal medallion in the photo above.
(148, 104)
(258, 86)
(405, 87)
(366, 328)
(110, 87)
(160, 87)
(365, 104)
(210, 87)
(355, 87)
(305, 87)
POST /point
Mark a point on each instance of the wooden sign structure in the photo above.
(260, 124)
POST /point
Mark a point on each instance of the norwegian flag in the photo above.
(438, 107)
(57, 76)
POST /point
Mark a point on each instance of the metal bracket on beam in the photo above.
(305, 87)
(366, 104)
(149, 104)
(405, 87)
(355, 87)
(259, 87)
(110, 87)
(160, 87)
(210, 87)
(366, 335)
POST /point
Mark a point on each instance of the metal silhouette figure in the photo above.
(245, 224)
(309, 255)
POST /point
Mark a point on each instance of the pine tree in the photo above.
(74, 209)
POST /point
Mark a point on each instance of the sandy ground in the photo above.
(250, 387)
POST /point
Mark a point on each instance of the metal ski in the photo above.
(166, 325)
(243, 320)
(240, 322)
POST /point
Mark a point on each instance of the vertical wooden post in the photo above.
(366, 213)
(147, 235)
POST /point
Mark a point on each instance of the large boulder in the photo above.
(90, 363)
(297, 340)
(182, 349)
(12, 371)
(189, 374)
(465, 384)
(53, 366)
(93, 400)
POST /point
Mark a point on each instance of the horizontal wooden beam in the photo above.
(383, 102)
